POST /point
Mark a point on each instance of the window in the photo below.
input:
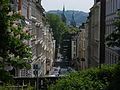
(74, 55)
(74, 43)
(74, 49)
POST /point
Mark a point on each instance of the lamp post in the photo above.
(36, 68)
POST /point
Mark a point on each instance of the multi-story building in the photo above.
(66, 49)
(74, 51)
(112, 7)
(83, 63)
(74, 46)
(50, 49)
(78, 58)
(94, 31)
(100, 25)
(88, 39)
(87, 42)
(41, 43)
(96, 34)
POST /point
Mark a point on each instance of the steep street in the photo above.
(59, 44)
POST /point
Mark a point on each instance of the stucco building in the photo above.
(42, 42)
(82, 49)
(79, 61)
(94, 31)
(112, 7)
(74, 51)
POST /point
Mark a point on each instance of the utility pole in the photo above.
(37, 81)
(102, 32)
(36, 69)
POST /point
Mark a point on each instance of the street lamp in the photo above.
(36, 68)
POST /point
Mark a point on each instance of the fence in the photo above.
(18, 87)
(44, 82)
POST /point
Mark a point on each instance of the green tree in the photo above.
(57, 25)
(114, 38)
(13, 50)
(60, 30)
(89, 79)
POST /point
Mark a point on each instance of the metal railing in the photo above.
(44, 82)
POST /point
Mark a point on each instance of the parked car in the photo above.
(55, 71)
(70, 69)
(63, 71)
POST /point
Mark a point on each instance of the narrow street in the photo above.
(61, 67)
(59, 44)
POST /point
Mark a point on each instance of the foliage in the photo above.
(115, 82)
(73, 30)
(57, 25)
(90, 79)
(80, 16)
(4, 75)
(114, 38)
(60, 30)
(13, 50)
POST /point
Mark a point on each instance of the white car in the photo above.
(63, 71)
(55, 71)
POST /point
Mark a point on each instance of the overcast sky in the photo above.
(81, 5)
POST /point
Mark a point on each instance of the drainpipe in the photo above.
(102, 32)
(20, 6)
(28, 10)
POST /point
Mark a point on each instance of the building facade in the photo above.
(100, 25)
(78, 58)
(82, 49)
(87, 42)
(94, 35)
(66, 49)
(42, 41)
(112, 7)
(74, 52)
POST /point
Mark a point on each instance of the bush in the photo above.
(90, 79)
(115, 82)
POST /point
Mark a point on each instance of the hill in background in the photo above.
(80, 16)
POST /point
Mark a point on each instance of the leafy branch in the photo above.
(14, 34)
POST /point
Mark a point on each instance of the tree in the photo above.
(114, 38)
(89, 79)
(58, 28)
(13, 51)
(57, 25)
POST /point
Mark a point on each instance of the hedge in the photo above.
(104, 78)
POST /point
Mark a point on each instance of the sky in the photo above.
(80, 5)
